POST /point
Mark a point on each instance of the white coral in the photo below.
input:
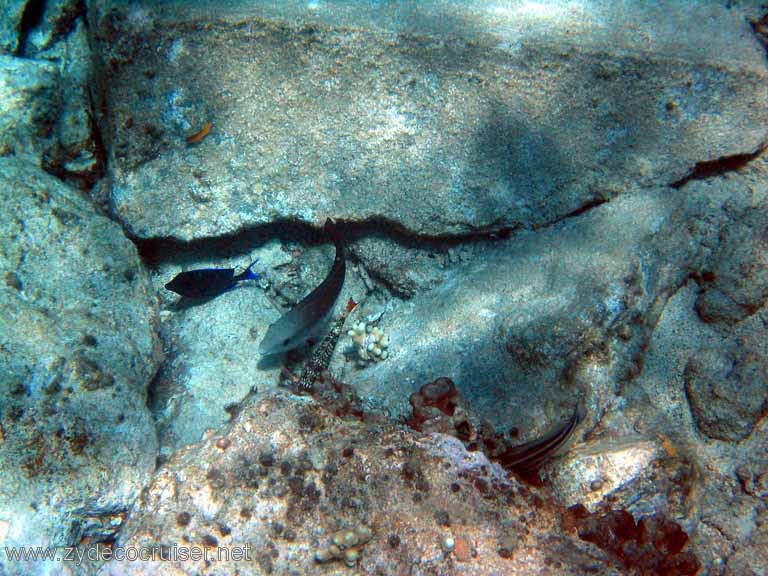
(370, 341)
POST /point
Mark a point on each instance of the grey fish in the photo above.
(528, 457)
(309, 316)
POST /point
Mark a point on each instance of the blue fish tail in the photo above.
(250, 274)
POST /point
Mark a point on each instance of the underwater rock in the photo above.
(78, 321)
(213, 360)
(46, 103)
(29, 107)
(736, 286)
(285, 489)
(404, 268)
(378, 115)
(213, 345)
(644, 476)
(58, 19)
(728, 536)
(10, 24)
(728, 391)
(509, 327)
(78, 156)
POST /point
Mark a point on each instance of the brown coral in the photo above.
(438, 407)
(655, 545)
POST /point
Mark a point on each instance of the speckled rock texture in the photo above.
(10, 24)
(56, 21)
(46, 97)
(737, 284)
(29, 106)
(727, 390)
(509, 328)
(286, 475)
(728, 447)
(78, 347)
(544, 202)
(503, 121)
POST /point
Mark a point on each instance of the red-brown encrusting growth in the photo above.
(438, 407)
(655, 545)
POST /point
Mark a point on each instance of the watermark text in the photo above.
(102, 553)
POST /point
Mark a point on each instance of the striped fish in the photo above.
(321, 356)
(529, 457)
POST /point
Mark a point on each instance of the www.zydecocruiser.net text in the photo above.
(102, 553)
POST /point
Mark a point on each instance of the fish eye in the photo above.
(286, 341)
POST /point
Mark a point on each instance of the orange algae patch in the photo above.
(463, 550)
(669, 448)
(200, 134)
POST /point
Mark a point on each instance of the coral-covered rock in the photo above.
(292, 482)
(438, 407)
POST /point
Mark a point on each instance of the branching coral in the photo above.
(371, 343)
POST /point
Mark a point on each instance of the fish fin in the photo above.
(250, 274)
(351, 305)
(331, 228)
(251, 264)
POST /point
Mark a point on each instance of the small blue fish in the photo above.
(209, 282)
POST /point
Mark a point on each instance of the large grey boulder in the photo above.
(10, 24)
(507, 328)
(29, 106)
(446, 118)
(77, 350)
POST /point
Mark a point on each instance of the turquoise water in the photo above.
(506, 312)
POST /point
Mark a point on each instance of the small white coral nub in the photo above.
(371, 343)
(347, 544)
